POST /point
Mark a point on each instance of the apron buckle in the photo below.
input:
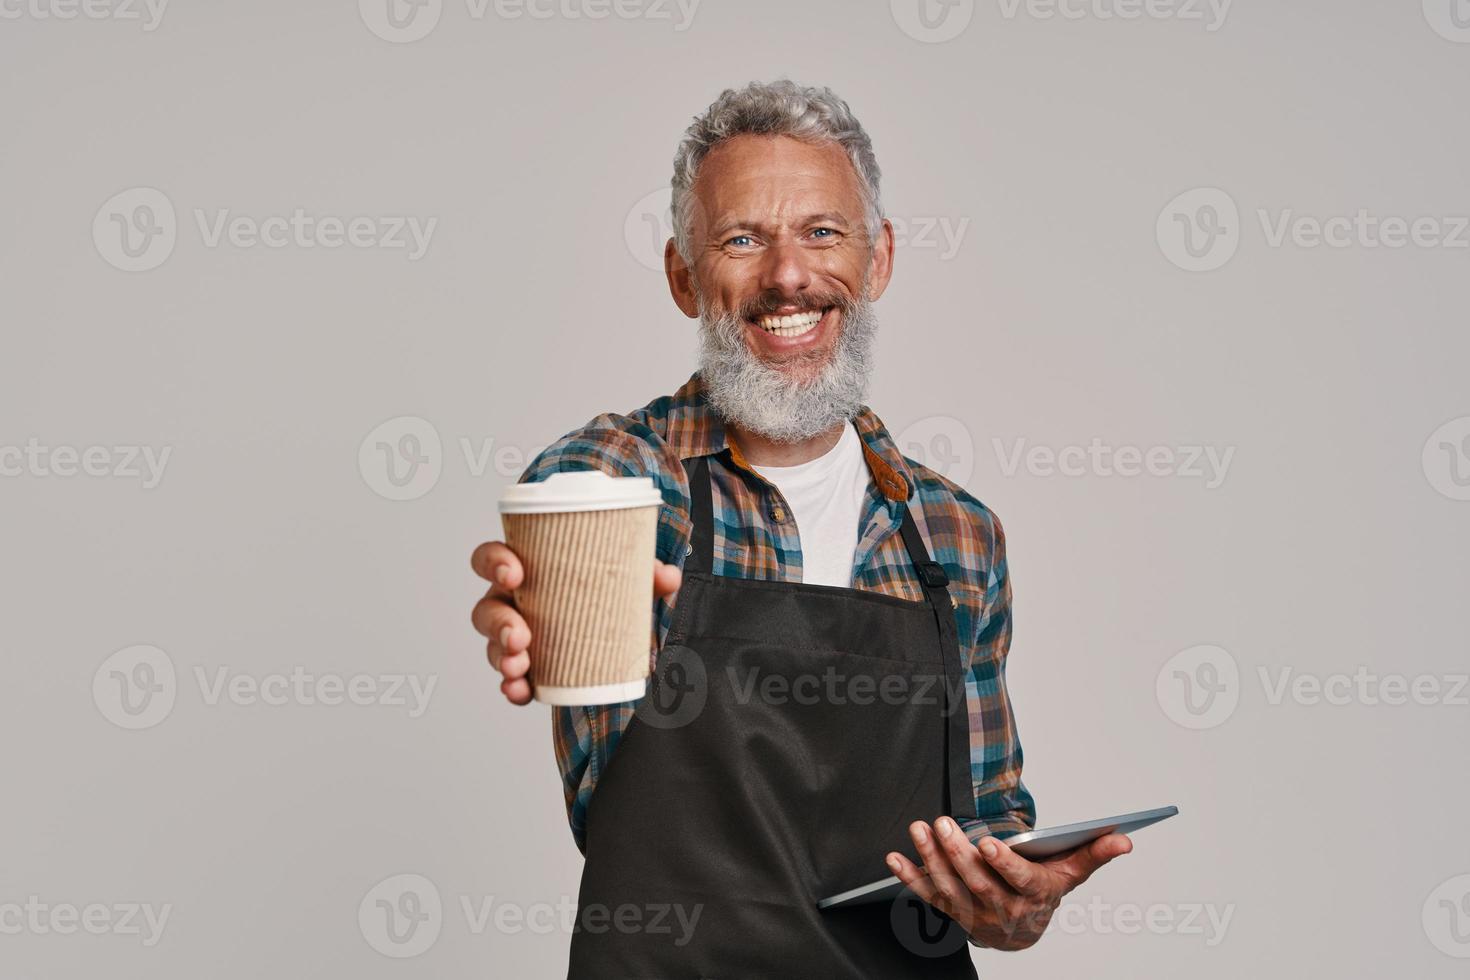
(932, 574)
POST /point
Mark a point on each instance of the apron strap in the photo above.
(960, 791)
(700, 555)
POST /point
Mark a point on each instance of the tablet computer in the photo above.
(1033, 845)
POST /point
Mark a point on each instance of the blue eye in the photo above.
(827, 230)
(738, 238)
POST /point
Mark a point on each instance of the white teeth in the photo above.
(791, 326)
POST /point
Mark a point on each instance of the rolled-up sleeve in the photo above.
(1003, 805)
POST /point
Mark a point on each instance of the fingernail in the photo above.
(504, 637)
(498, 573)
(987, 846)
(945, 826)
(920, 834)
(893, 863)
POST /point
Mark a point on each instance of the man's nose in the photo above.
(785, 269)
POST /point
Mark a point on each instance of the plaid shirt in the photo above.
(755, 537)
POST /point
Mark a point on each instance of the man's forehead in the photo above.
(776, 177)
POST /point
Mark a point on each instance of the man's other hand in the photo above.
(999, 898)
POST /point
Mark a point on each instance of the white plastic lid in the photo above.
(578, 491)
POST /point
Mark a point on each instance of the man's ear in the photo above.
(880, 264)
(681, 283)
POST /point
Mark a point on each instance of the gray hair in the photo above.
(779, 108)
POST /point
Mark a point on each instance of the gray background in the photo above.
(1329, 833)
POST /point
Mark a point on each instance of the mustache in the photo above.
(769, 302)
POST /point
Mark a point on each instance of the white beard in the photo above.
(766, 400)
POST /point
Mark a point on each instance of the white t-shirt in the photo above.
(826, 497)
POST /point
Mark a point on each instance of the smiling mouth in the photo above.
(791, 324)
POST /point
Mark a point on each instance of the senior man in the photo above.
(795, 542)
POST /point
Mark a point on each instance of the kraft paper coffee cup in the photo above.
(587, 542)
